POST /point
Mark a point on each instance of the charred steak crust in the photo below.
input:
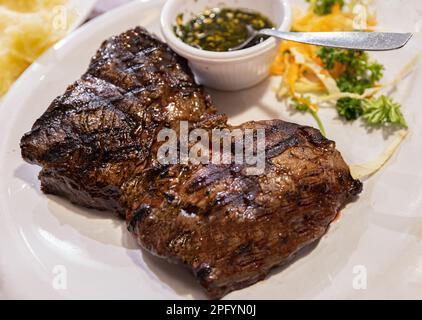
(100, 131)
(97, 146)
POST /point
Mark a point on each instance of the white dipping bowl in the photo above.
(228, 71)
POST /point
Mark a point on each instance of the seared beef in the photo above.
(97, 145)
(100, 131)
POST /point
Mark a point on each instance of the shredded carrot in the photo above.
(299, 76)
(292, 77)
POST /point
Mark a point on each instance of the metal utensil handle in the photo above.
(367, 41)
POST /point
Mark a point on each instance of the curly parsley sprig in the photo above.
(383, 111)
(355, 73)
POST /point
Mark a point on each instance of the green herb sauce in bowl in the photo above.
(220, 29)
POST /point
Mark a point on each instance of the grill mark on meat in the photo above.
(206, 177)
(97, 146)
(281, 146)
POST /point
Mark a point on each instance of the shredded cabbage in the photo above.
(407, 69)
(366, 170)
(336, 96)
(329, 83)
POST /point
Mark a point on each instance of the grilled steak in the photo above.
(100, 131)
(97, 145)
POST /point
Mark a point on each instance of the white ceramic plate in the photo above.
(41, 236)
(81, 9)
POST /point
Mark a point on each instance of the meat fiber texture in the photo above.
(97, 146)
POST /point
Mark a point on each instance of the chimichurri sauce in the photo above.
(221, 29)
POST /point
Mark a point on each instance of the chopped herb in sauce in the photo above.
(221, 29)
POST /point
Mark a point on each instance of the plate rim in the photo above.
(66, 41)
